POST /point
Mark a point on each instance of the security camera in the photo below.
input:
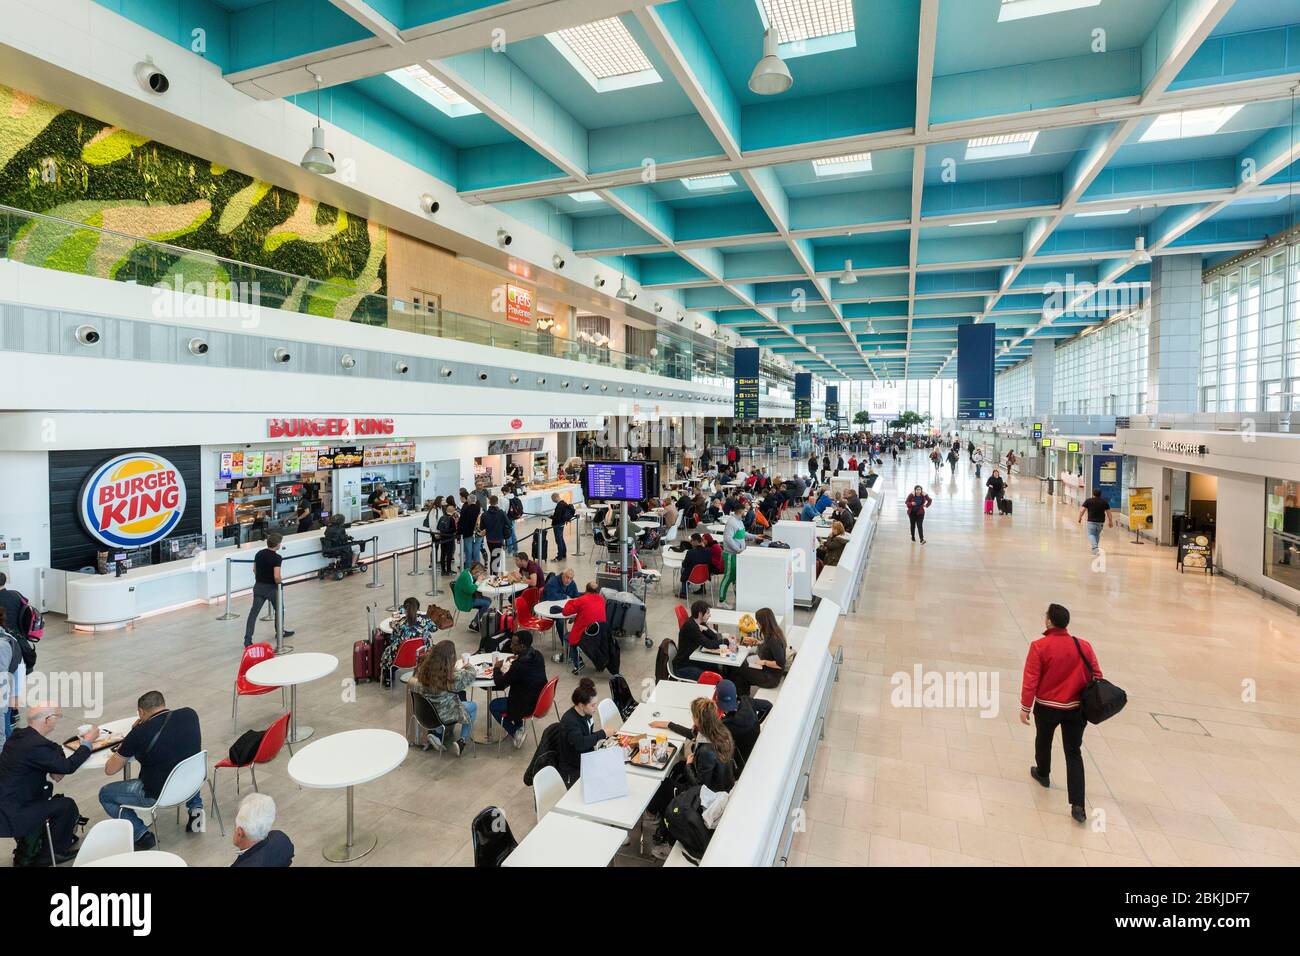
(400, 367)
(197, 346)
(87, 335)
(504, 238)
(600, 282)
(557, 260)
(429, 205)
(482, 376)
(514, 379)
(445, 372)
(151, 78)
(281, 355)
(586, 386)
(348, 361)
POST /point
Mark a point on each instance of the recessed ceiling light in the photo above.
(584, 197)
(1188, 124)
(714, 181)
(1020, 9)
(606, 49)
(796, 20)
(840, 165)
(1102, 212)
(976, 222)
(996, 147)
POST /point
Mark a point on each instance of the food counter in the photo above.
(105, 601)
(537, 499)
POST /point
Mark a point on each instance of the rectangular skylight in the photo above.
(584, 197)
(605, 48)
(715, 181)
(977, 222)
(842, 165)
(796, 20)
(433, 91)
(997, 147)
(421, 75)
(1188, 124)
(1020, 9)
(1102, 212)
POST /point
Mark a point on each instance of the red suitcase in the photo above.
(361, 662)
(988, 506)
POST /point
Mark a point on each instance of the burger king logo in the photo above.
(132, 500)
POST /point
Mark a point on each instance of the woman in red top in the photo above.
(917, 502)
(716, 565)
(1055, 677)
(588, 608)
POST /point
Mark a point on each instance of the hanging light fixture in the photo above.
(848, 276)
(771, 75)
(623, 292)
(1140, 256)
(318, 159)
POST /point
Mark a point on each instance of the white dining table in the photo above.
(638, 722)
(562, 840)
(347, 760)
(678, 693)
(488, 686)
(290, 670)
(721, 656)
(98, 759)
(502, 591)
(543, 609)
(140, 858)
(622, 812)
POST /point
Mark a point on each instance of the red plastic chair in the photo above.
(682, 616)
(525, 605)
(709, 677)
(408, 655)
(275, 738)
(545, 701)
(700, 576)
(253, 654)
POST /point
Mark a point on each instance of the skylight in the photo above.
(997, 147)
(433, 91)
(584, 197)
(842, 165)
(606, 55)
(1189, 124)
(976, 222)
(1102, 212)
(1020, 9)
(715, 181)
(809, 26)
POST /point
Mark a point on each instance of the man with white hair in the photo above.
(27, 800)
(258, 844)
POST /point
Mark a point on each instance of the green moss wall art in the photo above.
(90, 174)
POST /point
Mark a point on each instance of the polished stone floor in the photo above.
(1202, 768)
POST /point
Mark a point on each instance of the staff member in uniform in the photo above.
(378, 497)
(266, 584)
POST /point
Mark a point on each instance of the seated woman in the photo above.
(411, 624)
(441, 678)
(831, 549)
(770, 660)
(709, 763)
(465, 590)
(578, 735)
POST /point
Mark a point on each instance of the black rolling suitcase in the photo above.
(1004, 505)
(541, 544)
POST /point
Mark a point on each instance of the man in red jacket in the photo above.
(1053, 684)
(588, 608)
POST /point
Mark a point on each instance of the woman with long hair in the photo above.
(441, 678)
(412, 624)
(833, 546)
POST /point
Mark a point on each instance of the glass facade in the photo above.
(1104, 370)
(936, 397)
(1014, 392)
(1250, 335)
(1282, 531)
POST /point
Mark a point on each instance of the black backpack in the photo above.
(243, 750)
(515, 509)
(547, 755)
(684, 823)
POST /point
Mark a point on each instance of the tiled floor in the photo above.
(1189, 774)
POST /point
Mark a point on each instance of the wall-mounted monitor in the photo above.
(620, 480)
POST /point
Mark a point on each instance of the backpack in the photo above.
(243, 750)
(684, 823)
(15, 650)
(22, 648)
(515, 509)
(621, 694)
(547, 755)
(30, 622)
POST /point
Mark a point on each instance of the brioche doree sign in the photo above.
(132, 500)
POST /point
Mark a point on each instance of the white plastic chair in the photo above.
(106, 838)
(609, 719)
(185, 780)
(548, 790)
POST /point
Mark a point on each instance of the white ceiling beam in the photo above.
(370, 18)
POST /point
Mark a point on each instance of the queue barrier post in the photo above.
(434, 590)
(229, 615)
(280, 647)
(374, 563)
(415, 553)
(396, 605)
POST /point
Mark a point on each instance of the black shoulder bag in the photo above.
(1101, 699)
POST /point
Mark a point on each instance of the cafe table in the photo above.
(638, 722)
(488, 686)
(562, 840)
(502, 591)
(290, 670)
(140, 858)
(542, 609)
(345, 761)
(678, 693)
(99, 758)
(622, 812)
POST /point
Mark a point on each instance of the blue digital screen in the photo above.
(975, 370)
(745, 377)
(802, 396)
(614, 480)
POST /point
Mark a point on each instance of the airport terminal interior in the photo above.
(698, 433)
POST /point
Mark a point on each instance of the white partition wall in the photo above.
(765, 578)
(801, 536)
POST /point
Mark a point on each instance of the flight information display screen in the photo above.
(614, 480)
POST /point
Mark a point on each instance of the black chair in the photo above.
(491, 837)
(621, 694)
(425, 717)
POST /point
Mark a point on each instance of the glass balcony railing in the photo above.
(84, 249)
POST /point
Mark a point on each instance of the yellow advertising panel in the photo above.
(1139, 509)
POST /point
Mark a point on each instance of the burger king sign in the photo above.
(132, 500)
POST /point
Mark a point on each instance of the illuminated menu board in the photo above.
(745, 376)
(802, 396)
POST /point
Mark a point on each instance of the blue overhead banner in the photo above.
(832, 403)
(802, 396)
(975, 370)
(745, 376)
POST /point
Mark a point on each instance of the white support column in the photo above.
(1175, 338)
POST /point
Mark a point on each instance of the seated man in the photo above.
(587, 609)
(692, 636)
(160, 739)
(824, 501)
(257, 843)
(336, 543)
(27, 800)
(522, 677)
(809, 510)
(527, 571)
(560, 588)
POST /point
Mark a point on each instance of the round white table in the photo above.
(347, 760)
(716, 527)
(543, 609)
(139, 858)
(489, 686)
(290, 670)
(502, 591)
(98, 759)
